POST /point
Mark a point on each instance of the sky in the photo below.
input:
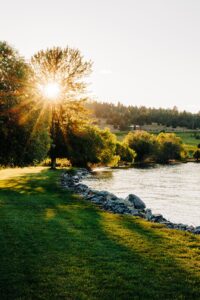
(144, 52)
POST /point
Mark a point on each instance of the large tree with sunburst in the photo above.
(58, 82)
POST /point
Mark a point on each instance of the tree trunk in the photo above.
(53, 163)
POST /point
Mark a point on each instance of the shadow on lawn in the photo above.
(54, 245)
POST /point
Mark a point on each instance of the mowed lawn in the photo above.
(54, 245)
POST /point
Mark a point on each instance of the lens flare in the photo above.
(51, 90)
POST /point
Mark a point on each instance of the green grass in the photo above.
(188, 138)
(54, 245)
(121, 134)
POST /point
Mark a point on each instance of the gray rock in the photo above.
(120, 201)
(81, 188)
(197, 230)
(136, 201)
(97, 199)
(76, 178)
(120, 210)
(103, 193)
(134, 212)
(148, 214)
(157, 218)
(111, 196)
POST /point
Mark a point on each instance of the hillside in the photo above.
(121, 117)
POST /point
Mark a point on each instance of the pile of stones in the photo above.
(131, 205)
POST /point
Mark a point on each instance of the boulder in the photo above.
(158, 218)
(135, 201)
(75, 178)
(97, 199)
(148, 214)
(81, 188)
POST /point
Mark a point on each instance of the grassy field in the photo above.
(189, 140)
(54, 245)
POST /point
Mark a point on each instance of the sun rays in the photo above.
(51, 90)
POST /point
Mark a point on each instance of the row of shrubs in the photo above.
(160, 148)
(91, 145)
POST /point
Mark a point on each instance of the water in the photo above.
(173, 190)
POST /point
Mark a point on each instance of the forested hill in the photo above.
(121, 116)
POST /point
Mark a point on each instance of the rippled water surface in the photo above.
(173, 190)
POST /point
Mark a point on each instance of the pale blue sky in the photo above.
(145, 52)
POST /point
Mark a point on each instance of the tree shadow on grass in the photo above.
(54, 245)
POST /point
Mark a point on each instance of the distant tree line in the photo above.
(121, 116)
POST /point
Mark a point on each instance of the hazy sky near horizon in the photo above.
(145, 52)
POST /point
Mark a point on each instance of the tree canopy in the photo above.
(18, 133)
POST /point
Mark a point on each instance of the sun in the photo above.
(51, 90)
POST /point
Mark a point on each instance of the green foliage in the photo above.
(122, 117)
(65, 67)
(90, 145)
(161, 148)
(125, 153)
(142, 142)
(22, 142)
(169, 147)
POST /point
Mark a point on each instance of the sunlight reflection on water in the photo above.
(172, 190)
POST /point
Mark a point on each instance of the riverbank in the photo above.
(131, 205)
(56, 245)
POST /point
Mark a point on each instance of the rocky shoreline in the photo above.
(131, 205)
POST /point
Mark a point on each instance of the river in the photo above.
(171, 190)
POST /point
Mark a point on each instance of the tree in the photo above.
(121, 116)
(169, 147)
(89, 145)
(64, 68)
(125, 153)
(142, 142)
(17, 123)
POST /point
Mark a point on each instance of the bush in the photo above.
(142, 142)
(90, 145)
(125, 153)
(169, 148)
(161, 148)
